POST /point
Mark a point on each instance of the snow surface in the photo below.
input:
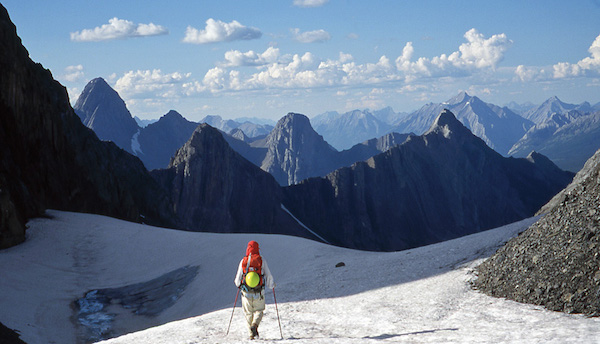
(135, 144)
(415, 296)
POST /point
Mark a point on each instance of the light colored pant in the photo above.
(253, 306)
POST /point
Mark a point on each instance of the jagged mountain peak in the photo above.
(448, 125)
(101, 109)
(459, 98)
(96, 91)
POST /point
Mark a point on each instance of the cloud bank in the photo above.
(589, 66)
(218, 31)
(311, 36)
(272, 70)
(118, 29)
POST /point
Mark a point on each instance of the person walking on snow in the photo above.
(252, 276)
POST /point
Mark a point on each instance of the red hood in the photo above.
(252, 248)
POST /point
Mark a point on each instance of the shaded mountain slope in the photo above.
(49, 159)
(444, 184)
(214, 189)
(159, 141)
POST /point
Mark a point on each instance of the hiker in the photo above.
(252, 276)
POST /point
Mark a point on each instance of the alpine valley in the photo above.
(84, 189)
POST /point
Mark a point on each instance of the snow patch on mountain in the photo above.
(135, 144)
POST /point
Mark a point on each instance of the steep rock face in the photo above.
(296, 151)
(159, 141)
(499, 127)
(444, 184)
(555, 262)
(214, 189)
(48, 159)
(102, 110)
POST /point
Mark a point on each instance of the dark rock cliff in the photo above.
(49, 159)
(444, 184)
(214, 189)
(556, 262)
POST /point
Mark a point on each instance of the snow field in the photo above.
(414, 296)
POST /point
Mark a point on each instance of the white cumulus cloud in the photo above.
(311, 36)
(478, 53)
(589, 66)
(118, 29)
(73, 73)
(219, 31)
(236, 58)
(310, 3)
(147, 84)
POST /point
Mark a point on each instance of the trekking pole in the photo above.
(234, 303)
(279, 321)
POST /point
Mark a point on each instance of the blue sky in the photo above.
(265, 58)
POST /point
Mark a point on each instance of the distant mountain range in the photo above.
(279, 151)
(512, 133)
(443, 184)
(566, 133)
(345, 130)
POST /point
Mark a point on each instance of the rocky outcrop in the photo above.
(102, 110)
(214, 189)
(159, 141)
(556, 262)
(441, 185)
(296, 151)
(49, 159)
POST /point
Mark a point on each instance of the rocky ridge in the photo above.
(441, 185)
(556, 262)
(215, 189)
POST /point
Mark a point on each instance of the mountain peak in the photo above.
(172, 114)
(459, 98)
(293, 117)
(102, 109)
(446, 123)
